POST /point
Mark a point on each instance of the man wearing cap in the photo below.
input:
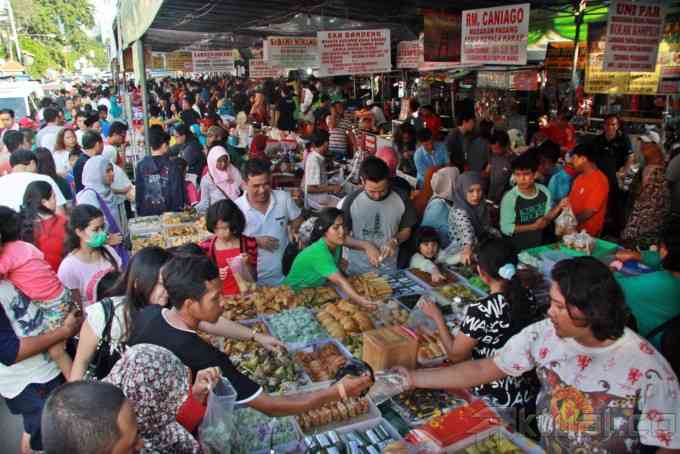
(613, 150)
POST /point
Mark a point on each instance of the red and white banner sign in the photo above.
(354, 52)
(410, 55)
(218, 61)
(496, 35)
(634, 31)
(291, 52)
(259, 69)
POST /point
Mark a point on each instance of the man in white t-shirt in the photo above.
(269, 215)
(117, 134)
(604, 388)
(13, 186)
(47, 136)
(27, 374)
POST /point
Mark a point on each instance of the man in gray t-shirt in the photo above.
(380, 218)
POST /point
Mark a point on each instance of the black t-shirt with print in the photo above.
(149, 326)
(488, 322)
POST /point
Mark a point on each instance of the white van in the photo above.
(22, 97)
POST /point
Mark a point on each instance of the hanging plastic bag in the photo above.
(216, 430)
(566, 222)
(387, 384)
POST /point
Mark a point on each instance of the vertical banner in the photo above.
(291, 52)
(442, 36)
(496, 35)
(259, 69)
(354, 52)
(634, 30)
(669, 51)
(213, 61)
(408, 54)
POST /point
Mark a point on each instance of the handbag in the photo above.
(104, 358)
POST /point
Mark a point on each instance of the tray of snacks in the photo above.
(315, 298)
(142, 240)
(257, 433)
(145, 223)
(458, 296)
(363, 437)
(418, 406)
(344, 319)
(322, 360)
(274, 370)
(181, 230)
(174, 241)
(262, 301)
(470, 275)
(425, 278)
(336, 414)
(181, 217)
(392, 312)
(296, 327)
(403, 284)
(355, 345)
(431, 350)
(371, 285)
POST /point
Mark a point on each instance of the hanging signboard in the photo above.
(259, 69)
(354, 52)
(496, 35)
(408, 54)
(669, 50)
(614, 82)
(441, 36)
(157, 60)
(524, 80)
(493, 79)
(634, 30)
(213, 61)
(291, 52)
(179, 61)
(560, 55)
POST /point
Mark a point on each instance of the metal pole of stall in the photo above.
(579, 10)
(138, 49)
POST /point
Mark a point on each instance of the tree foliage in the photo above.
(56, 33)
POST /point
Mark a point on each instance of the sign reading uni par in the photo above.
(354, 52)
(291, 52)
(213, 61)
(634, 31)
(497, 35)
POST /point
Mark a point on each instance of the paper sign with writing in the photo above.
(496, 35)
(354, 52)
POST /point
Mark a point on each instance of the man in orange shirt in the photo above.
(589, 193)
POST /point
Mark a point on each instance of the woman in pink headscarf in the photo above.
(222, 181)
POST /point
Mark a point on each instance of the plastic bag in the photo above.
(418, 320)
(387, 384)
(566, 222)
(217, 428)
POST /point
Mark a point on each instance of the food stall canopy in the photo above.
(238, 18)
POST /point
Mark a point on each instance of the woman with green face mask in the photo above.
(89, 255)
(97, 179)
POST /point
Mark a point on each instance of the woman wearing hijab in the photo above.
(438, 208)
(469, 220)
(223, 180)
(422, 197)
(157, 384)
(98, 176)
(121, 183)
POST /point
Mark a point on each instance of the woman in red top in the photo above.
(41, 225)
(234, 254)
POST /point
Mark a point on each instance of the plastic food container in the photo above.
(316, 346)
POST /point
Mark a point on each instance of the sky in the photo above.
(105, 12)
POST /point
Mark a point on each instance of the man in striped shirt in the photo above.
(340, 131)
